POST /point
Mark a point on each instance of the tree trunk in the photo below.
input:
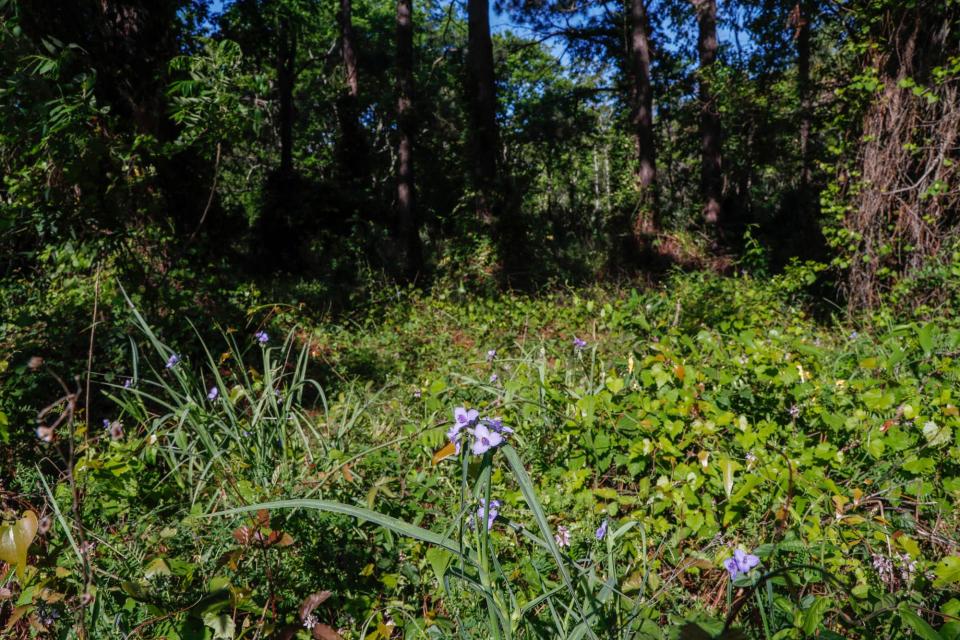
(352, 152)
(481, 93)
(711, 178)
(286, 58)
(802, 12)
(647, 221)
(406, 124)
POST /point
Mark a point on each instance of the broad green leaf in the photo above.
(222, 625)
(925, 336)
(919, 626)
(813, 616)
(947, 572)
(439, 560)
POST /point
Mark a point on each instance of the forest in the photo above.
(479, 319)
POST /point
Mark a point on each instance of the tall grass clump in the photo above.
(246, 410)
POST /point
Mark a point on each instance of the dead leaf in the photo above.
(313, 601)
(446, 452)
(243, 534)
(325, 632)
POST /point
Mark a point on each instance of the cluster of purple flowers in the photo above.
(262, 337)
(741, 563)
(488, 433)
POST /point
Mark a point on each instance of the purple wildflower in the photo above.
(128, 383)
(602, 530)
(741, 563)
(493, 378)
(116, 430)
(106, 423)
(491, 513)
(462, 419)
(562, 537)
(172, 361)
(491, 355)
(484, 439)
(213, 393)
(496, 424)
(578, 344)
(262, 337)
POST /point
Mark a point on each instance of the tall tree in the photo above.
(711, 178)
(482, 97)
(406, 212)
(352, 151)
(286, 78)
(647, 221)
(800, 18)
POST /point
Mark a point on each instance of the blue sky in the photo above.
(500, 22)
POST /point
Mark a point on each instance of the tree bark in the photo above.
(352, 152)
(406, 213)
(481, 93)
(647, 221)
(711, 178)
(286, 58)
(803, 90)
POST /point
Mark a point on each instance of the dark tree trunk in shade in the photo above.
(352, 149)
(647, 221)
(802, 19)
(481, 94)
(406, 213)
(286, 59)
(711, 178)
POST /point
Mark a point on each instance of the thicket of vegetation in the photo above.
(525, 319)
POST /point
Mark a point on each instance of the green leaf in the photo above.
(439, 560)
(393, 524)
(222, 625)
(925, 335)
(947, 572)
(615, 385)
(920, 466)
(813, 616)
(919, 626)
(157, 567)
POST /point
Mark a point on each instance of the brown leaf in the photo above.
(263, 518)
(313, 601)
(444, 453)
(243, 534)
(325, 632)
(18, 612)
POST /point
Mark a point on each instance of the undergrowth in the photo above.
(706, 459)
